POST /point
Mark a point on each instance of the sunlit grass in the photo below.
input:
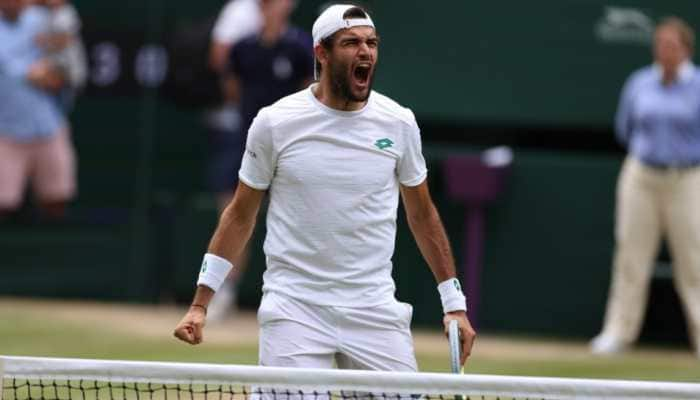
(32, 333)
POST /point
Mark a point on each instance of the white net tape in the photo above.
(29, 378)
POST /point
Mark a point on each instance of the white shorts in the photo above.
(48, 164)
(298, 334)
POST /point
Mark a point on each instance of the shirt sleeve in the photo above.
(412, 170)
(259, 158)
(13, 67)
(623, 117)
(17, 65)
(236, 20)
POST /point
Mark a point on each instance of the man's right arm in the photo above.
(218, 55)
(39, 73)
(223, 62)
(45, 76)
(623, 116)
(233, 232)
(221, 41)
(236, 223)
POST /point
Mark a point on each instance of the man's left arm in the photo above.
(430, 235)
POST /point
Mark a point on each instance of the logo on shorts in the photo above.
(383, 143)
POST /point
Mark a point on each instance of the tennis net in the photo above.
(29, 378)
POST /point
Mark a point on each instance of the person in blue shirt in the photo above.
(658, 193)
(266, 66)
(34, 140)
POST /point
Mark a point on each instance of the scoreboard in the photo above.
(543, 63)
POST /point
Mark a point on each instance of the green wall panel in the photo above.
(550, 62)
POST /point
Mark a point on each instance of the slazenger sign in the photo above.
(624, 25)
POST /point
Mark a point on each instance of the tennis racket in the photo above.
(455, 350)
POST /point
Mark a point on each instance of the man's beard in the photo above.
(341, 86)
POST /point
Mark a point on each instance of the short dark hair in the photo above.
(356, 12)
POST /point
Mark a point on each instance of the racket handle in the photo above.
(455, 346)
(455, 351)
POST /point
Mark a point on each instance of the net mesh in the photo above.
(22, 389)
(26, 378)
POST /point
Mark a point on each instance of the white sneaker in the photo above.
(222, 304)
(606, 345)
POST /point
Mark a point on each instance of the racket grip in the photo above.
(455, 346)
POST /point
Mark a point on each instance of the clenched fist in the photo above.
(191, 326)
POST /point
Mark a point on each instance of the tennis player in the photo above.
(334, 158)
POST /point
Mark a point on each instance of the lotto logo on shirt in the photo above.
(383, 143)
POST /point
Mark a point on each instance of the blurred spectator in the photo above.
(64, 47)
(273, 64)
(659, 187)
(34, 136)
(238, 19)
(265, 67)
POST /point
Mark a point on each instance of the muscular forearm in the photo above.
(233, 232)
(432, 241)
(235, 228)
(202, 296)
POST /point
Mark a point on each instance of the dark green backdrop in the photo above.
(547, 62)
(143, 217)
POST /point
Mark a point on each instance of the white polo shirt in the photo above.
(333, 179)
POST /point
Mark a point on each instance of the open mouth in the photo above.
(361, 73)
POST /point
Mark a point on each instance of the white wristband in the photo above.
(214, 271)
(451, 296)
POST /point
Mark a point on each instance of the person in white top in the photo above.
(334, 158)
(238, 19)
